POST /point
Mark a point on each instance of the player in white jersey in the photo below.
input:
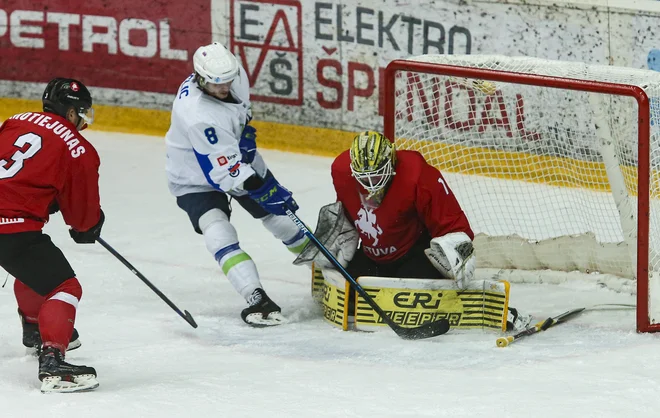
(211, 155)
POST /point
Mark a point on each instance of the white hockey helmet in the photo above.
(215, 64)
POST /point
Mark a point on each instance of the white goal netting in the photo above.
(548, 176)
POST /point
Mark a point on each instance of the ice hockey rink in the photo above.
(151, 363)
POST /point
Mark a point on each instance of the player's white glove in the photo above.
(336, 233)
(453, 256)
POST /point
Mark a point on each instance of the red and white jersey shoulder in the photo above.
(43, 160)
(418, 200)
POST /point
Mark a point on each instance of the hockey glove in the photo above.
(337, 233)
(248, 143)
(89, 236)
(453, 256)
(273, 197)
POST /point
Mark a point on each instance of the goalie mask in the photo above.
(373, 158)
(214, 65)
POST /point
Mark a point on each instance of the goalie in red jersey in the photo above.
(47, 166)
(403, 214)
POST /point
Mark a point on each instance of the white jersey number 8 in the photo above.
(9, 169)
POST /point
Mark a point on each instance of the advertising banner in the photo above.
(141, 46)
(314, 63)
(321, 63)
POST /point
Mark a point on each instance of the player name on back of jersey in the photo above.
(57, 128)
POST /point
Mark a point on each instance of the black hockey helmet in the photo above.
(62, 94)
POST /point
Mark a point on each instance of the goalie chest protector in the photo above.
(417, 199)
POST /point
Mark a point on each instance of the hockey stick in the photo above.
(185, 314)
(541, 326)
(544, 325)
(430, 329)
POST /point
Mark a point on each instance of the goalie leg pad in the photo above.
(413, 302)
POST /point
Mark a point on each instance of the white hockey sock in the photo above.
(284, 229)
(239, 269)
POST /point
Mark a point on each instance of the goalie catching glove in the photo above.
(453, 256)
(336, 233)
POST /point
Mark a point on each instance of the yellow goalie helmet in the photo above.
(373, 158)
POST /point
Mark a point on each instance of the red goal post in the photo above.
(561, 136)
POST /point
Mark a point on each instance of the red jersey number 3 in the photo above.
(28, 145)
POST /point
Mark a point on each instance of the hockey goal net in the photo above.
(556, 164)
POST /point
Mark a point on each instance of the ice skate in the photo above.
(58, 376)
(32, 337)
(262, 312)
(516, 321)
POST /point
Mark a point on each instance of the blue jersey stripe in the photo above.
(206, 166)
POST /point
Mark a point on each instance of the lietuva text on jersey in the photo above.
(418, 201)
(203, 151)
(45, 161)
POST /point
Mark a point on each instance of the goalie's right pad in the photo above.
(453, 256)
(336, 233)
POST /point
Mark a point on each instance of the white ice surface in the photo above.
(153, 364)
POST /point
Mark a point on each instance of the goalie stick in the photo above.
(185, 314)
(430, 329)
(552, 321)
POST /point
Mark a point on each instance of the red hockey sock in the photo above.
(29, 301)
(58, 314)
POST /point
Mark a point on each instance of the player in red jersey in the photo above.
(404, 214)
(46, 165)
(398, 203)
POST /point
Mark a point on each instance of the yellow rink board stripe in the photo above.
(283, 137)
(556, 171)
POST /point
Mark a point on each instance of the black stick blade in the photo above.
(567, 315)
(428, 330)
(189, 319)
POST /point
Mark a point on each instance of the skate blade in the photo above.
(257, 319)
(81, 383)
